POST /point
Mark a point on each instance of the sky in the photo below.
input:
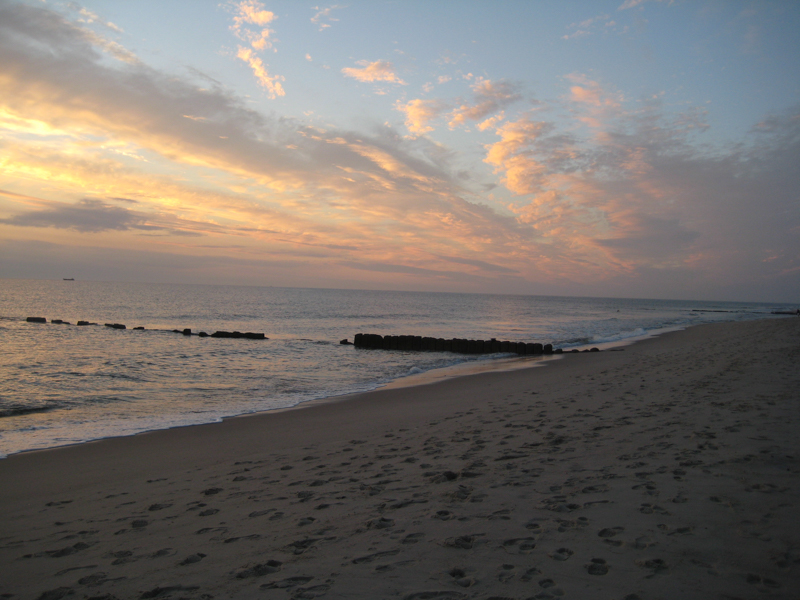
(625, 148)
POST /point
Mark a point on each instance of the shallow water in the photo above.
(63, 384)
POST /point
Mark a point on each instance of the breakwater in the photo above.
(457, 345)
(249, 335)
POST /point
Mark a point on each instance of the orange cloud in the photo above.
(272, 83)
(419, 113)
(252, 12)
(489, 96)
(380, 70)
(597, 104)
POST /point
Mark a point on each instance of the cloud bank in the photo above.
(585, 193)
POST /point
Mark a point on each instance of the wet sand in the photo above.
(666, 470)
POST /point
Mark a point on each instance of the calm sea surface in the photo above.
(63, 384)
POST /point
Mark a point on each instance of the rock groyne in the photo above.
(457, 345)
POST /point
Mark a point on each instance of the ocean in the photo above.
(63, 384)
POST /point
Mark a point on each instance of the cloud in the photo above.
(246, 14)
(594, 104)
(634, 3)
(227, 171)
(483, 265)
(251, 12)
(640, 198)
(489, 98)
(88, 216)
(635, 197)
(272, 83)
(380, 70)
(419, 113)
(323, 16)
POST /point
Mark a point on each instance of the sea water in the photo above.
(64, 384)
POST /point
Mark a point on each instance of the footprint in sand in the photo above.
(192, 559)
(564, 524)
(561, 554)
(610, 532)
(656, 565)
(465, 542)
(530, 574)
(522, 545)
(597, 566)
(649, 509)
(259, 570)
(371, 557)
(436, 595)
(506, 573)
(460, 577)
(93, 579)
(382, 523)
(288, 583)
(552, 590)
(762, 581)
(644, 542)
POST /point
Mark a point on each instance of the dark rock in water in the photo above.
(83, 323)
(239, 335)
(575, 351)
(139, 328)
(36, 320)
(595, 350)
(187, 332)
(116, 325)
(176, 331)
(548, 348)
(203, 334)
(344, 342)
(558, 351)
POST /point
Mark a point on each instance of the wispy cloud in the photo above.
(490, 96)
(323, 17)
(377, 71)
(248, 13)
(271, 83)
(85, 216)
(250, 22)
(634, 3)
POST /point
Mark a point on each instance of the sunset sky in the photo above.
(628, 148)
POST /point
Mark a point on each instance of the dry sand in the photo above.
(667, 470)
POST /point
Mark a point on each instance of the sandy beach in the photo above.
(667, 469)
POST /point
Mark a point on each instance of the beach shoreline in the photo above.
(667, 469)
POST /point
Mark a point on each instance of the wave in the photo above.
(17, 411)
